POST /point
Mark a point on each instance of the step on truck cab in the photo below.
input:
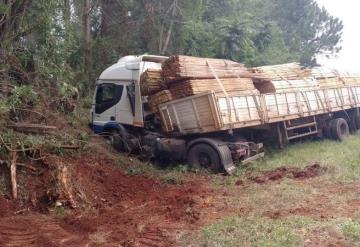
(121, 113)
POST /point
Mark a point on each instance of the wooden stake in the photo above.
(13, 174)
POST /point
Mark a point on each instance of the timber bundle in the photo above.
(157, 99)
(330, 78)
(184, 67)
(151, 82)
(283, 78)
(184, 76)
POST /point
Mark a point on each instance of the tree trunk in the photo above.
(67, 27)
(67, 16)
(107, 8)
(87, 38)
(164, 44)
(10, 22)
(13, 174)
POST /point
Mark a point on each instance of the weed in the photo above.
(22, 97)
(351, 230)
(60, 211)
(99, 238)
(252, 231)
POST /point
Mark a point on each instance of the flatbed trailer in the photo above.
(209, 112)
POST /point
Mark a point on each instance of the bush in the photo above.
(22, 97)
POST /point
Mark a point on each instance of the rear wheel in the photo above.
(339, 129)
(203, 155)
(354, 122)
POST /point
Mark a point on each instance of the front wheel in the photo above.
(116, 140)
(203, 155)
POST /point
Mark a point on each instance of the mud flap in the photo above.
(226, 158)
(230, 168)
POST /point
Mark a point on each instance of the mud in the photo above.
(111, 208)
(289, 172)
(7, 207)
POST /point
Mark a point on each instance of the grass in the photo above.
(342, 160)
(262, 232)
(249, 231)
(351, 230)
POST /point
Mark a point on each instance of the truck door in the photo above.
(107, 97)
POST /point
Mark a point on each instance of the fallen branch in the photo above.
(67, 146)
(32, 128)
(27, 166)
(32, 111)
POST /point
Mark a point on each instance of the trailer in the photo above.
(214, 130)
(208, 112)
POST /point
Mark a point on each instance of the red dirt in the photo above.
(289, 172)
(121, 210)
(7, 207)
(115, 209)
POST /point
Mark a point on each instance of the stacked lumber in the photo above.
(196, 86)
(151, 82)
(287, 85)
(184, 76)
(327, 78)
(283, 78)
(157, 99)
(178, 68)
(290, 71)
(351, 81)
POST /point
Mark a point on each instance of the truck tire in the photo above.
(203, 155)
(118, 142)
(355, 122)
(339, 129)
(118, 139)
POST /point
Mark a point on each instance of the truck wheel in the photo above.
(339, 129)
(355, 121)
(203, 155)
(116, 141)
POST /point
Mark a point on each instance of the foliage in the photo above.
(22, 97)
(53, 144)
(49, 37)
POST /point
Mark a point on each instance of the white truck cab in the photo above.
(118, 98)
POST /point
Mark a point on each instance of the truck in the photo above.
(216, 132)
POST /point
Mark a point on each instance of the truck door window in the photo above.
(107, 95)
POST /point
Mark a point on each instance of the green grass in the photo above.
(342, 160)
(256, 231)
(351, 230)
(249, 231)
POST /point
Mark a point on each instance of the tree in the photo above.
(87, 37)
(308, 29)
(52, 41)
